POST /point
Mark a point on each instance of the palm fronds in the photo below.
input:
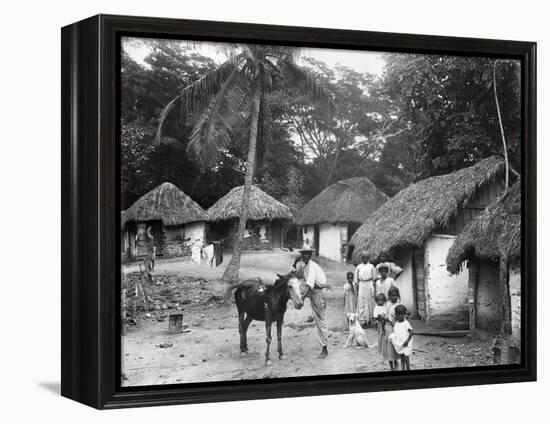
(193, 96)
(306, 83)
(215, 126)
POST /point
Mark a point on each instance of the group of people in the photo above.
(370, 293)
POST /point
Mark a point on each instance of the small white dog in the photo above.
(356, 333)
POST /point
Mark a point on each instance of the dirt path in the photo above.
(210, 350)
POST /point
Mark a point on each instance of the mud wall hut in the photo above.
(264, 227)
(416, 229)
(177, 223)
(330, 219)
(490, 246)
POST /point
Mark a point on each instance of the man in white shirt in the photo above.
(316, 282)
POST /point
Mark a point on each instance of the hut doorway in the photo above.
(141, 239)
(276, 234)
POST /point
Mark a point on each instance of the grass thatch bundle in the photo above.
(351, 200)
(494, 234)
(168, 204)
(407, 219)
(262, 206)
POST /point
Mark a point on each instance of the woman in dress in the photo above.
(364, 282)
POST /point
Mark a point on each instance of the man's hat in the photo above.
(383, 265)
(306, 251)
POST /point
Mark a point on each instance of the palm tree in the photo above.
(232, 97)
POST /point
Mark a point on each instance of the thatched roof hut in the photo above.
(407, 219)
(494, 234)
(168, 204)
(262, 206)
(351, 200)
(175, 219)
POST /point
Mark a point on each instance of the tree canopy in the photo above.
(424, 115)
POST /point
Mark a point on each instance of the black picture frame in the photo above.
(90, 211)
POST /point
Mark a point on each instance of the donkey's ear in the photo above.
(280, 276)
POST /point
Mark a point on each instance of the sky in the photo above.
(360, 61)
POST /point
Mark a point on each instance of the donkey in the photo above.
(265, 303)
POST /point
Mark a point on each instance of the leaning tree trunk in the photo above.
(501, 127)
(231, 273)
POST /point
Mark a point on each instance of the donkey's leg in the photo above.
(280, 339)
(242, 332)
(267, 340)
(246, 323)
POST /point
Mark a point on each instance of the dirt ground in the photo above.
(208, 349)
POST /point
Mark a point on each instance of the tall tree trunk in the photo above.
(231, 273)
(506, 310)
(501, 126)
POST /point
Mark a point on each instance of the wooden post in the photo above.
(506, 310)
(123, 312)
(473, 280)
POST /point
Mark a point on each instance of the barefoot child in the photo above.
(380, 316)
(350, 301)
(388, 350)
(402, 337)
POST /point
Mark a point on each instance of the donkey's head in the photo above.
(293, 285)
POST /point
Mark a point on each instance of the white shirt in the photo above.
(384, 286)
(313, 274)
(379, 310)
(364, 272)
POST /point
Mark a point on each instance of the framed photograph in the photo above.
(254, 211)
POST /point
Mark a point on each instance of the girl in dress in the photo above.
(350, 301)
(388, 350)
(380, 317)
(402, 337)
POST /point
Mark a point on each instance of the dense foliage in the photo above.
(426, 115)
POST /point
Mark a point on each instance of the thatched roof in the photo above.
(262, 206)
(351, 200)
(123, 220)
(493, 234)
(407, 219)
(168, 204)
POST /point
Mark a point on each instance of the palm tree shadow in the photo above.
(51, 386)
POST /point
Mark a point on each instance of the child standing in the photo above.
(385, 282)
(402, 337)
(388, 350)
(350, 299)
(380, 317)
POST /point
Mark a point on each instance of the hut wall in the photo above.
(488, 297)
(331, 237)
(447, 295)
(193, 232)
(308, 233)
(177, 240)
(173, 240)
(258, 236)
(404, 283)
(515, 295)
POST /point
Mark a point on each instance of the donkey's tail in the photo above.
(231, 287)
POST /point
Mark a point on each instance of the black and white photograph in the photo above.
(299, 212)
